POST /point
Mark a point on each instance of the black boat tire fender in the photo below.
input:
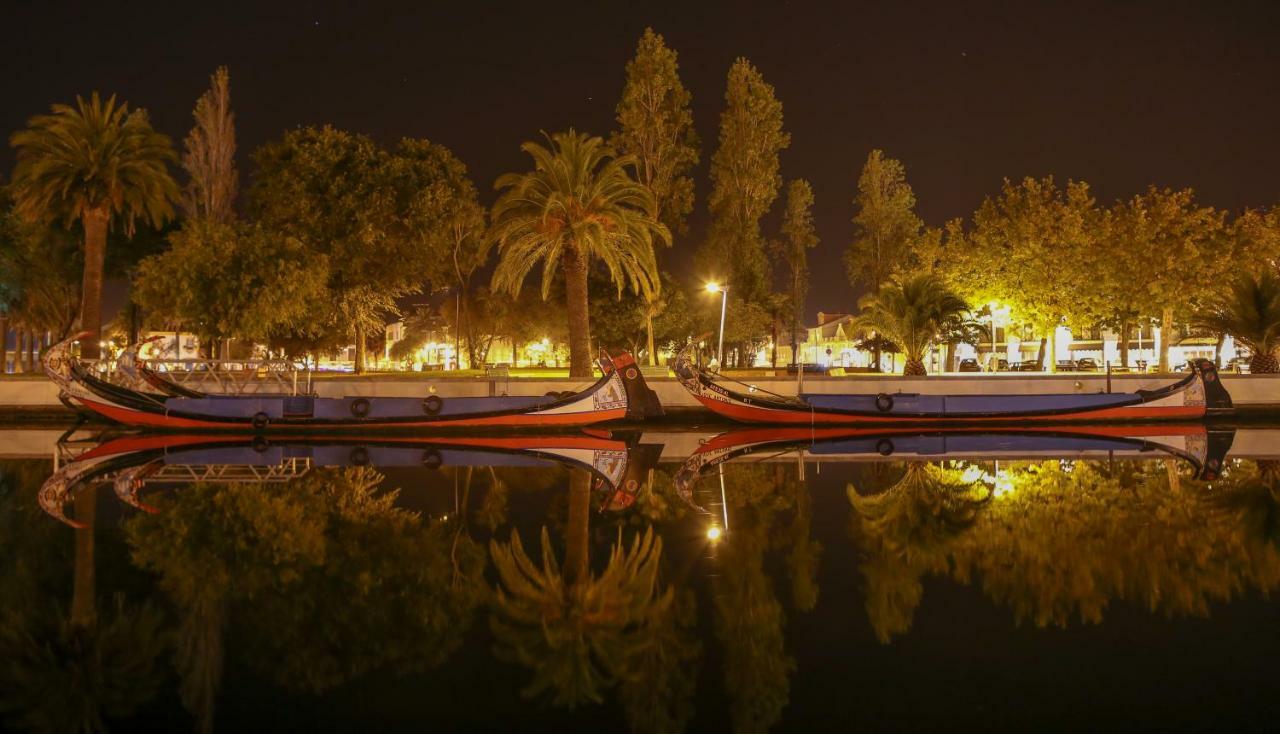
(360, 407)
(260, 444)
(884, 447)
(884, 403)
(432, 404)
(432, 459)
(359, 456)
(260, 421)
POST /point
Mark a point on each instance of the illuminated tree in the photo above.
(798, 237)
(915, 314)
(580, 205)
(231, 281)
(1026, 250)
(209, 155)
(656, 127)
(383, 219)
(93, 163)
(1250, 312)
(745, 180)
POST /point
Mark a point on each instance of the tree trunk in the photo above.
(1264, 364)
(95, 253)
(773, 358)
(360, 348)
(574, 267)
(914, 367)
(648, 327)
(1166, 338)
(1126, 330)
(1052, 344)
(84, 591)
(19, 354)
(577, 563)
(1217, 351)
(875, 353)
(1040, 355)
(4, 345)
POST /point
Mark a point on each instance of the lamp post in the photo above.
(723, 290)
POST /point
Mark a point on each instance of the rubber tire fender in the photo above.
(260, 421)
(360, 407)
(432, 459)
(432, 404)
(884, 402)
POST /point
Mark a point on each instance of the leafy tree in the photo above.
(745, 180)
(209, 157)
(914, 314)
(384, 220)
(798, 237)
(579, 205)
(1250, 312)
(229, 280)
(656, 127)
(1029, 249)
(93, 163)
(1166, 254)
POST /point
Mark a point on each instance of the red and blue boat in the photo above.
(1194, 396)
(619, 394)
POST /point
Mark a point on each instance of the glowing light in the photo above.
(713, 287)
(713, 533)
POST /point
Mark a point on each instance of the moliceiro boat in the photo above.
(620, 393)
(1193, 396)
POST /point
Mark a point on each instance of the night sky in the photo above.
(1118, 94)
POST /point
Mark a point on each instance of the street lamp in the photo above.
(723, 290)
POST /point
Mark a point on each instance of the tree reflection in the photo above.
(581, 634)
(323, 576)
(1063, 540)
(65, 668)
(769, 511)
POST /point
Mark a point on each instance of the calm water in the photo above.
(752, 581)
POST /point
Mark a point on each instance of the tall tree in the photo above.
(210, 154)
(578, 205)
(1250, 312)
(745, 180)
(798, 237)
(92, 163)
(884, 228)
(656, 126)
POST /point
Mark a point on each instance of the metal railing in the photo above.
(228, 376)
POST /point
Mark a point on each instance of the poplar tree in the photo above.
(209, 157)
(745, 180)
(884, 227)
(798, 237)
(656, 127)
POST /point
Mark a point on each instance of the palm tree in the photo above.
(914, 313)
(1250, 313)
(580, 204)
(93, 163)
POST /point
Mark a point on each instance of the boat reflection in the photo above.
(617, 463)
(1204, 449)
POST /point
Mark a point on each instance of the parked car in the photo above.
(809, 369)
(999, 365)
(1238, 365)
(1066, 365)
(1087, 364)
(1027, 367)
(969, 365)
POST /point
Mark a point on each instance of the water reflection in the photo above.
(575, 575)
